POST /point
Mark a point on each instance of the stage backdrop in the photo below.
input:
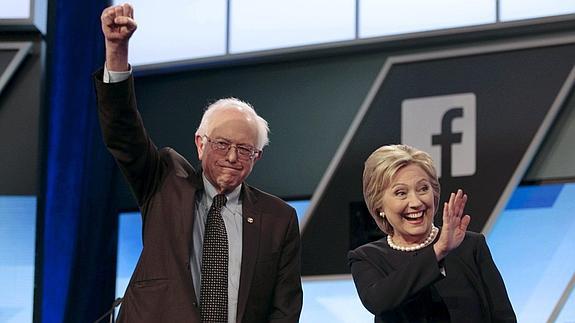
(480, 111)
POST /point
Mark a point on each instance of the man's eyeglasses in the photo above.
(245, 152)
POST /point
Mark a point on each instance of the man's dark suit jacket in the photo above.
(165, 186)
(398, 286)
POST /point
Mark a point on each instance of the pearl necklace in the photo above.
(427, 242)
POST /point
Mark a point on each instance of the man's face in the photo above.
(227, 169)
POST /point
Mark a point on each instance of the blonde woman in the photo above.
(418, 272)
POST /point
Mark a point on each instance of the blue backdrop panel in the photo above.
(75, 279)
(17, 255)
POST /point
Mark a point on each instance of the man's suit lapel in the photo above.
(195, 184)
(189, 190)
(251, 225)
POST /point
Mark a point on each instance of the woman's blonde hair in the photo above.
(380, 168)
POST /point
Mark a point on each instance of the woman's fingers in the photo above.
(453, 209)
(460, 205)
(464, 222)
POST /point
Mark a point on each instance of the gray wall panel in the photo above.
(19, 127)
(556, 158)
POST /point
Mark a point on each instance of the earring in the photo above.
(381, 214)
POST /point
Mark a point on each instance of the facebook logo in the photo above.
(443, 126)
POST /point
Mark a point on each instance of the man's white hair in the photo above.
(231, 103)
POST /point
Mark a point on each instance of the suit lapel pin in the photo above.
(250, 220)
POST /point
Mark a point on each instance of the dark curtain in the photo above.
(77, 243)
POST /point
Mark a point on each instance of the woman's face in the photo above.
(409, 205)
